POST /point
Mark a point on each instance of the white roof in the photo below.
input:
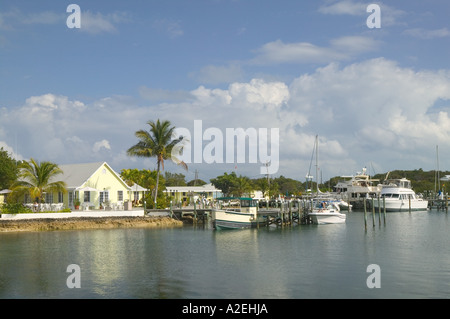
(138, 188)
(195, 189)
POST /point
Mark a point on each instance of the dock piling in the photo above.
(365, 215)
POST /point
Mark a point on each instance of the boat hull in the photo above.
(233, 220)
(321, 218)
(402, 205)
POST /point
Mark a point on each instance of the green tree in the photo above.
(262, 184)
(8, 170)
(196, 182)
(174, 179)
(157, 142)
(241, 185)
(288, 186)
(225, 183)
(38, 178)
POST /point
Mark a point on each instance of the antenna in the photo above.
(268, 179)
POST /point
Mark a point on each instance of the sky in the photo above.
(376, 95)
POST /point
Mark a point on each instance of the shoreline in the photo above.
(79, 223)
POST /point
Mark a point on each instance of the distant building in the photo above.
(185, 194)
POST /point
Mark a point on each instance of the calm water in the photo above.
(308, 261)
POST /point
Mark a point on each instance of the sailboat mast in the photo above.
(317, 163)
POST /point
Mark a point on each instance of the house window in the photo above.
(120, 196)
(87, 197)
(70, 199)
(60, 197)
(49, 197)
(104, 196)
(136, 196)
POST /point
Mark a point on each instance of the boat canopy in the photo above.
(244, 201)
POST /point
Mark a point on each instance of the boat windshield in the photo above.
(248, 203)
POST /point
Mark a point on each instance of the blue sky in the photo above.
(377, 98)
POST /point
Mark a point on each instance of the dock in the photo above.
(288, 214)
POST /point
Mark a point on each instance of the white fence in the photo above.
(76, 213)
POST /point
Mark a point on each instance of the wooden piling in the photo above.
(195, 214)
(365, 215)
(379, 211)
(373, 212)
(384, 209)
(446, 203)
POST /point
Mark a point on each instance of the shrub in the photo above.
(14, 208)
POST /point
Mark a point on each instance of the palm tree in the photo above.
(157, 142)
(241, 186)
(38, 178)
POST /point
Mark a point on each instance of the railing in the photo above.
(45, 207)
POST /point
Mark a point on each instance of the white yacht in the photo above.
(357, 186)
(399, 196)
(326, 212)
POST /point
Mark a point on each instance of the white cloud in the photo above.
(9, 20)
(340, 49)
(11, 152)
(372, 112)
(96, 23)
(158, 95)
(101, 144)
(259, 94)
(344, 7)
(428, 34)
(389, 14)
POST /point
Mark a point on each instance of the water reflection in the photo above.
(308, 261)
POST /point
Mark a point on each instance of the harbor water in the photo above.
(305, 261)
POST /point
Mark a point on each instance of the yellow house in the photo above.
(94, 185)
(187, 194)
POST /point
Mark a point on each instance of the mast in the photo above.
(436, 175)
(317, 163)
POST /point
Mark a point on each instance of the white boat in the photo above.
(236, 213)
(399, 196)
(358, 186)
(326, 212)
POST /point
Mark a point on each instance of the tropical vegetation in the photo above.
(36, 178)
(8, 169)
(158, 141)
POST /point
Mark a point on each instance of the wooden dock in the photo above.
(288, 214)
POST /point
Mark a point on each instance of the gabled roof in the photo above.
(76, 175)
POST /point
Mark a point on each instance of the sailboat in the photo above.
(323, 211)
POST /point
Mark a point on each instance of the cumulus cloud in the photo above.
(103, 144)
(390, 15)
(373, 112)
